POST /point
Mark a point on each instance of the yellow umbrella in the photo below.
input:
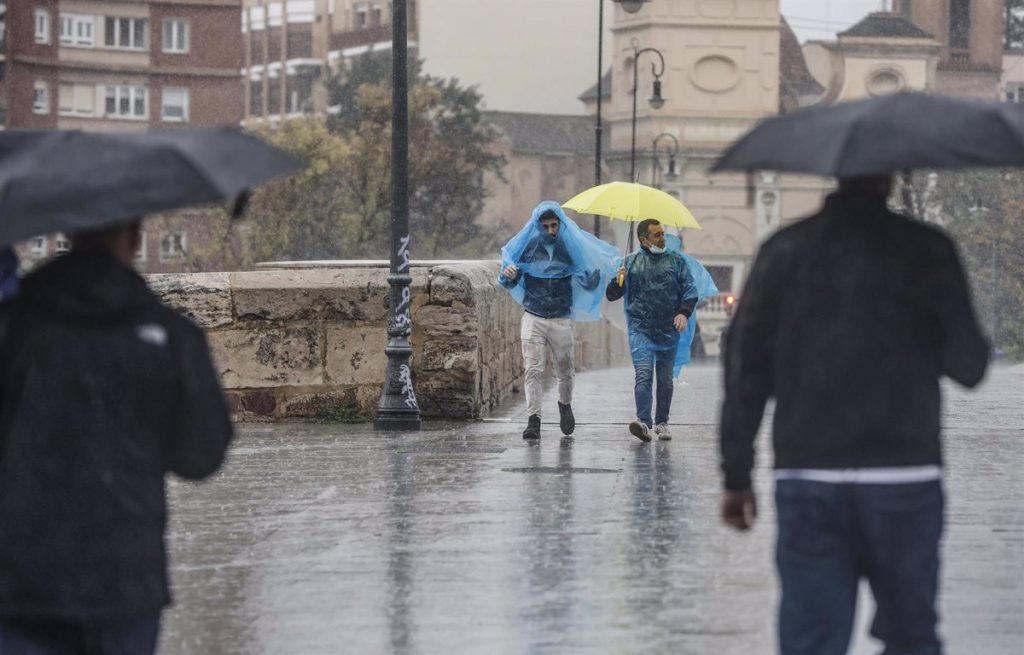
(633, 202)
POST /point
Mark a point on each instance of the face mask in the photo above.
(656, 250)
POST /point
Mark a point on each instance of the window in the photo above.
(174, 104)
(62, 244)
(175, 35)
(127, 33)
(722, 277)
(362, 16)
(140, 253)
(172, 247)
(77, 30)
(41, 100)
(76, 99)
(1015, 93)
(378, 16)
(37, 247)
(960, 24)
(127, 102)
(42, 26)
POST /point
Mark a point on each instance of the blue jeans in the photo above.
(137, 636)
(649, 366)
(832, 535)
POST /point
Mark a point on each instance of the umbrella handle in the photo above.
(621, 279)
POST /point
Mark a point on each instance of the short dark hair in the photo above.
(645, 225)
(548, 213)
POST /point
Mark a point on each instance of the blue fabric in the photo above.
(135, 636)
(705, 289)
(10, 283)
(832, 535)
(580, 265)
(654, 367)
(656, 287)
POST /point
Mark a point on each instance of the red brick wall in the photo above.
(211, 100)
(21, 28)
(215, 36)
(21, 79)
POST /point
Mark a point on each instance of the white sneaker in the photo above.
(640, 430)
(662, 431)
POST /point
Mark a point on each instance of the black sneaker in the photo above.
(532, 430)
(566, 420)
(640, 430)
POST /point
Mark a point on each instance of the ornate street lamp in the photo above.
(670, 175)
(631, 6)
(398, 409)
(656, 101)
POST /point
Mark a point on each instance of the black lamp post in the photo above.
(398, 409)
(656, 101)
(671, 174)
(630, 7)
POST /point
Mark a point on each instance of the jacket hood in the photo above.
(87, 287)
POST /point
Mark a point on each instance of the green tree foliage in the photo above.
(983, 211)
(340, 206)
(1013, 33)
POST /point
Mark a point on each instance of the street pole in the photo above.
(398, 409)
(656, 102)
(598, 128)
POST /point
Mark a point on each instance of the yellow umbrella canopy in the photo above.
(633, 202)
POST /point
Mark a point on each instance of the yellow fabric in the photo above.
(632, 202)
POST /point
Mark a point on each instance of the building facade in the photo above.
(123, 66)
(971, 36)
(291, 46)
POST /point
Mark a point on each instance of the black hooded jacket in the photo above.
(848, 319)
(103, 390)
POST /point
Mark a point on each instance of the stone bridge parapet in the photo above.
(306, 340)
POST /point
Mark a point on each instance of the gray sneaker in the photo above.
(662, 432)
(640, 430)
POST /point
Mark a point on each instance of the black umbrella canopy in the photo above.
(73, 181)
(885, 134)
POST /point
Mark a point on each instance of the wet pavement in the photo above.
(464, 539)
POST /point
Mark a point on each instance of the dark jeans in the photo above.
(649, 366)
(137, 636)
(832, 535)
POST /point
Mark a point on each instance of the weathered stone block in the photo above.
(352, 294)
(441, 395)
(355, 355)
(259, 403)
(327, 405)
(437, 320)
(272, 357)
(203, 297)
(457, 354)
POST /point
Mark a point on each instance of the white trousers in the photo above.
(538, 336)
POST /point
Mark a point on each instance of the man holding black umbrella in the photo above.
(849, 319)
(102, 391)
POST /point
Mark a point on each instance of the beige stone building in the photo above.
(971, 36)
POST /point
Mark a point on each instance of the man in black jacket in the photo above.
(103, 390)
(848, 319)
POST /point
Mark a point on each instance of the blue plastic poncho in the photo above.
(569, 271)
(656, 287)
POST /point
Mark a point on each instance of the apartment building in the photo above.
(291, 46)
(128, 65)
(96, 65)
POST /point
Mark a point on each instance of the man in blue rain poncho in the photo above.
(556, 271)
(661, 295)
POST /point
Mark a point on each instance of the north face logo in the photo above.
(152, 333)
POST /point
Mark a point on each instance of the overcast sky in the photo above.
(821, 19)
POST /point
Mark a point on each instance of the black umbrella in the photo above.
(881, 135)
(72, 181)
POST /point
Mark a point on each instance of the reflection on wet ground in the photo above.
(465, 539)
